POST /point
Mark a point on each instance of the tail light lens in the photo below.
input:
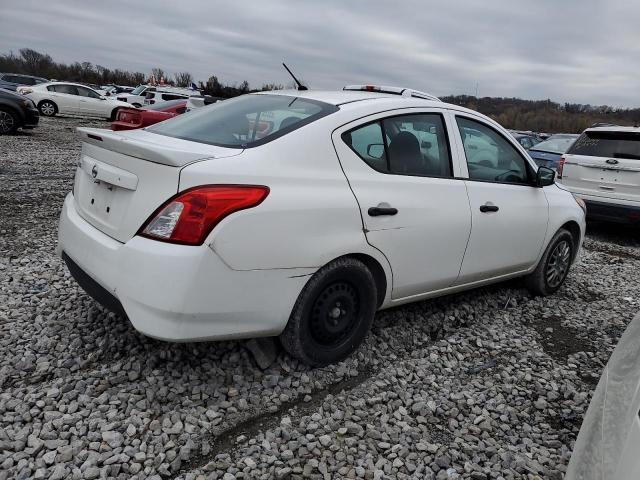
(560, 166)
(190, 216)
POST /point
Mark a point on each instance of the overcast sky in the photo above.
(583, 51)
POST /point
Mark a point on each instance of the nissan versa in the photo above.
(301, 213)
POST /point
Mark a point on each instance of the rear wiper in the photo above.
(626, 155)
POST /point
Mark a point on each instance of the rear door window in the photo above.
(414, 145)
(68, 89)
(608, 144)
(87, 92)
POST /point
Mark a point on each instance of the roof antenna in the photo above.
(300, 86)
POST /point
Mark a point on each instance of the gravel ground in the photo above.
(488, 384)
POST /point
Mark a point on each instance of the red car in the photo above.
(130, 118)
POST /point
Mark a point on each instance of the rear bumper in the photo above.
(176, 292)
(612, 212)
(31, 118)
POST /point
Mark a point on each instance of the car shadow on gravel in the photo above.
(560, 341)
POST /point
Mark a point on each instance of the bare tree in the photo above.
(183, 79)
(157, 74)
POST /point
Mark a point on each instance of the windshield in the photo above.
(608, 144)
(138, 90)
(245, 121)
(555, 144)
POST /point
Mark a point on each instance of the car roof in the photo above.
(64, 83)
(333, 97)
(614, 129)
(389, 100)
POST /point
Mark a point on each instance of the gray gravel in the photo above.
(486, 384)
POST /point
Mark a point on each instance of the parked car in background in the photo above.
(11, 81)
(305, 223)
(548, 153)
(62, 97)
(131, 118)
(607, 445)
(107, 90)
(603, 168)
(198, 101)
(527, 141)
(149, 94)
(16, 112)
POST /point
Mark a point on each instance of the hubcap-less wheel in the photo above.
(7, 122)
(47, 109)
(334, 314)
(558, 264)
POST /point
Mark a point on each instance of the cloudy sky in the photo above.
(584, 51)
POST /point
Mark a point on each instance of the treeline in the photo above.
(32, 62)
(515, 113)
(545, 115)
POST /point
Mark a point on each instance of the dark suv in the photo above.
(11, 81)
(16, 112)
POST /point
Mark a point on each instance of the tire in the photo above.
(9, 121)
(553, 268)
(137, 105)
(47, 108)
(333, 313)
(114, 114)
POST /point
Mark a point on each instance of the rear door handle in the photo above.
(489, 208)
(378, 211)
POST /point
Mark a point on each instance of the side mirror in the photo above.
(375, 150)
(545, 177)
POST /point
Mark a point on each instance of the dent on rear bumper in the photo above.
(181, 293)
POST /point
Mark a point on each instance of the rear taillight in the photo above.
(560, 166)
(190, 216)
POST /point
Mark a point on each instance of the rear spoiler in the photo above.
(139, 148)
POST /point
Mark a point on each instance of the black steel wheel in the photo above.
(333, 313)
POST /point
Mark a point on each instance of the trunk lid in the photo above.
(605, 164)
(123, 177)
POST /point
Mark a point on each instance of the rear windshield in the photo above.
(555, 145)
(245, 121)
(608, 144)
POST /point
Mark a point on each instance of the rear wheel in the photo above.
(47, 108)
(554, 265)
(9, 121)
(333, 313)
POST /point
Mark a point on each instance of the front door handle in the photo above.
(378, 211)
(489, 208)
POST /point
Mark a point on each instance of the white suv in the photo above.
(301, 213)
(603, 167)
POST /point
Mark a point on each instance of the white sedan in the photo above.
(71, 98)
(301, 213)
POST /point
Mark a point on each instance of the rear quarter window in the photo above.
(607, 144)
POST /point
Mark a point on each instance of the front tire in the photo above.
(553, 268)
(47, 108)
(9, 121)
(333, 313)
